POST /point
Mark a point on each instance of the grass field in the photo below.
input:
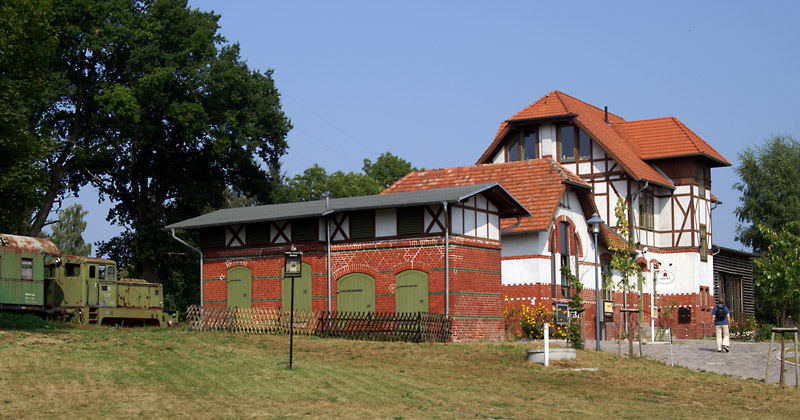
(125, 372)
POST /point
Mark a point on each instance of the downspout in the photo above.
(201, 262)
(446, 260)
(328, 240)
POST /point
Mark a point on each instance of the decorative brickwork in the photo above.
(476, 300)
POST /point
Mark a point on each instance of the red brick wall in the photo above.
(476, 300)
(700, 306)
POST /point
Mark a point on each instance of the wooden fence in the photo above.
(385, 326)
(382, 326)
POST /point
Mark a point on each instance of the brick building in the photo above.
(433, 251)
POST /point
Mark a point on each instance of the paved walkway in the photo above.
(745, 359)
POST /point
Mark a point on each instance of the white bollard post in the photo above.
(546, 344)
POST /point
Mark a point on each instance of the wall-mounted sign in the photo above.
(665, 277)
(562, 314)
(608, 310)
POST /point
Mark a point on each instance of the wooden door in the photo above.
(302, 291)
(239, 286)
(356, 293)
(411, 292)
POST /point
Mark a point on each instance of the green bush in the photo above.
(12, 321)
(764, 332)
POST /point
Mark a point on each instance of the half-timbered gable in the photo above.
(659, 167)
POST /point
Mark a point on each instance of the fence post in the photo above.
(419, 327)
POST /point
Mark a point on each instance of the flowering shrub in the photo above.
(523, 320)
(745, 330)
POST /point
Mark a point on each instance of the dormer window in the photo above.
(526, 149)
(572, 142)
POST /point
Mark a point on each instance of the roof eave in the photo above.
(539, 119)
(721, 163)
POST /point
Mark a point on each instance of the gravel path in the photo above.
(745, 359)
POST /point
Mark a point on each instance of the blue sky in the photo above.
(431, 81)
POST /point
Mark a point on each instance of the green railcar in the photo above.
(22, 274)
(35, 276)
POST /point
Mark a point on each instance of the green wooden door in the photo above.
(356, 293)
(92, 286)
(239, 286)
(411, 291)
(302, 290)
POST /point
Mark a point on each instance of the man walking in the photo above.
(722, 322)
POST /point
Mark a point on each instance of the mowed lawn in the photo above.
(160, 373)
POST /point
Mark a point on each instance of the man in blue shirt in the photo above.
(722, 322)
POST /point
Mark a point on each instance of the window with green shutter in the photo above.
(213, 237)
(362, 224)
(257, 233)
(409, 220)
(304, 229)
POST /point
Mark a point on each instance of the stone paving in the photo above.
(745, 359)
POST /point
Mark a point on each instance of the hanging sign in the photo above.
(665, 277)
(608, 310)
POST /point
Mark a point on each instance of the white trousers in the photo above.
(723, 336)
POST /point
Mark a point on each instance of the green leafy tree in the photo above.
(161, 115)
(387, 169)
(68, 231)
(779, 269)
(770, 191)
(27, 49)
(315, 183)
(623, 258)
(575, 304)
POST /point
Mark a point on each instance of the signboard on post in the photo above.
(608, 311)
(293, 268)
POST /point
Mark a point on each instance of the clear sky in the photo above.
(431, 81)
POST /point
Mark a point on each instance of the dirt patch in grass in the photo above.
(175, 373)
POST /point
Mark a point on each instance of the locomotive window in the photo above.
(156, 292)
(26, 269)
(50, 271)
(105, 288)
(101, 272)
(92, 271)
(110, 271)
(72, 270)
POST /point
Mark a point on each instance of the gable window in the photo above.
(530, 145)
(362, 224)
(257, 233)
(26, 269)
(646, 210)
(513, 150)
(566, 143)
(703, 244)
(214, 237)
(304, 229)
(573, 142)
(409, 220)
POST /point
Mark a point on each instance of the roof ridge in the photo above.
(683, 128)
(586, 103)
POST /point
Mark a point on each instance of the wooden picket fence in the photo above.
(382, 326)
(385, 326)
(249, 320)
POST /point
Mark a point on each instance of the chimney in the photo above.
(606, 114)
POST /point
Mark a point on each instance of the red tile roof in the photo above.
(537, 184)
(629, 143)
(667, 137)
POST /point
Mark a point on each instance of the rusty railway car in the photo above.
(35, 276)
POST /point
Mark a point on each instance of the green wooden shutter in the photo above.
(304, 229)
(257, 233)
(214, 237)
(411, 292)
(409, 220)
(362, 224)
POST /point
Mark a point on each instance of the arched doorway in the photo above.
(411, 292)
(302, 290)
(356, 293)
(240, 280)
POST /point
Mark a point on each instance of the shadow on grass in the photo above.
(28, 322)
